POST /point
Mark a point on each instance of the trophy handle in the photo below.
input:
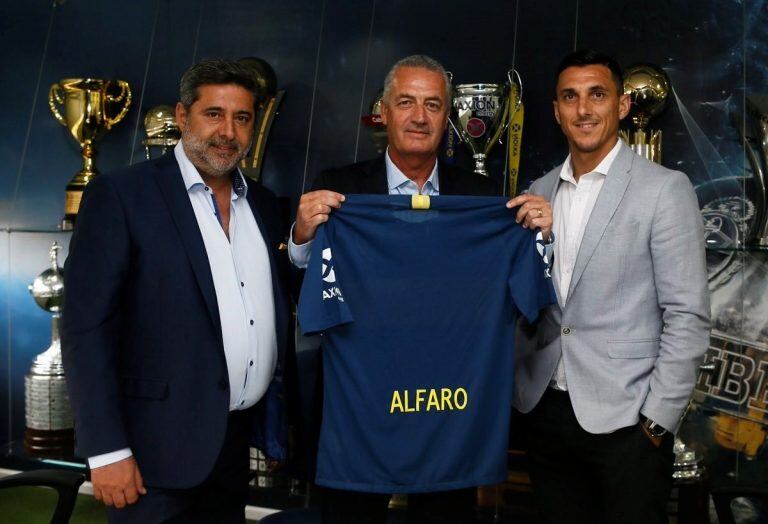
(125, 94)
(54, 97)
(509, 112)
(450, 79)
(519, 85)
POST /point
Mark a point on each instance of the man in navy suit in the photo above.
(176, 320)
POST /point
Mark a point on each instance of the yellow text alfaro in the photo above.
(428, 400)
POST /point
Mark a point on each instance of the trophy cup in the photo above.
(482, 114)
(648, 86)
(375, 124)
(161, 128)
(268, 102)
(87, 103)
(50, 427)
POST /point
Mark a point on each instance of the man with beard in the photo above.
(176, 319)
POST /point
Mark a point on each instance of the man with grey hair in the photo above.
(176, 320)
(415, 109)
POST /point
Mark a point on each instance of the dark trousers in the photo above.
(442, 507)
(584, 478)
(220, 499)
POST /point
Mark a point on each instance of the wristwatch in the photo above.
(654, 428)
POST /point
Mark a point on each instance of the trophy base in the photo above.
(58, 443)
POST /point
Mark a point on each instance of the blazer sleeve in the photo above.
(95, 273)
(680, 276)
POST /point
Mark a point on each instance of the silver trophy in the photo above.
(50, 427)
(482, 114)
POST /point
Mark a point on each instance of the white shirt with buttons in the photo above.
(571, 209)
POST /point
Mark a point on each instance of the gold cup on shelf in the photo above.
(88, 104)
(648, 86)
(162, 130)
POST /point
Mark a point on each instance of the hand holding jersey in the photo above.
(314, 208)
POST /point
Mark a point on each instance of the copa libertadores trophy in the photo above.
(482, 114)
(50, 427)
(648, 87)
(88, 104)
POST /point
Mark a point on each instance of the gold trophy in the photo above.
(648, 86)
(161, 128)
(266, 110)
(88, 103)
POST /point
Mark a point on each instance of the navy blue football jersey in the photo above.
(417, 310)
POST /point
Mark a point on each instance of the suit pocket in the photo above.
(148, 388)
(643, 348)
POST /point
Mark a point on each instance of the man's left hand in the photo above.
(534, 212)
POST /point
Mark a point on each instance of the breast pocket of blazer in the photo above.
(641, 348)
(146, 388)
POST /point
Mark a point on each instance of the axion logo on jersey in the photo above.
(329, 275)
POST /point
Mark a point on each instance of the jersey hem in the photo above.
(403, 488)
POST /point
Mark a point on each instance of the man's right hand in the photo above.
(118, 484)
(314, 208)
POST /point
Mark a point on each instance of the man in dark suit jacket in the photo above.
(415, 108)
(176, 321)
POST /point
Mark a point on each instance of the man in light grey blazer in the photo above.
(603, 377)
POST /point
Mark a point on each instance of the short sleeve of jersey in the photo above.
(530, 284)
(322, 304)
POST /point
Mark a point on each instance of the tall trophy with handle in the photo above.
(90, 108)
(481, 114)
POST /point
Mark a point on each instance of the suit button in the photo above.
(566, 331)
(223, 384)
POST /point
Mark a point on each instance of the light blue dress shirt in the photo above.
(397, 183)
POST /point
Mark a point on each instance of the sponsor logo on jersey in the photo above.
(329, 276)
(443, 399)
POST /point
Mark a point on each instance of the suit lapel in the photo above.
(547, 187)
(549, 184)
(172, 188)
(616, 182)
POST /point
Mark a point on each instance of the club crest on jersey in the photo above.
(329, 276)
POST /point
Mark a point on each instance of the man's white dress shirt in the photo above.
(571, 209)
